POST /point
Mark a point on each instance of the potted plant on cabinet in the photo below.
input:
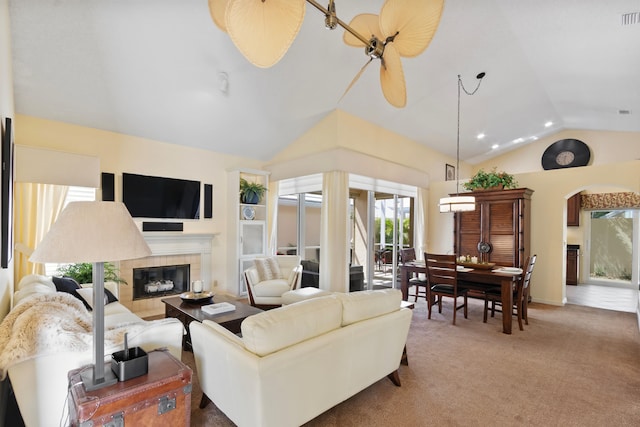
(492, 180)
(251, 192)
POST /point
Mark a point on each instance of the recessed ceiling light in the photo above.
(533, 138)
(481, 136)
(548, 124)
(495, 146)
(518, 140)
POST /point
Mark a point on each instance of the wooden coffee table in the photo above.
(187, 312)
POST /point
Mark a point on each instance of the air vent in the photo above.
(631, 18)
(624, 112)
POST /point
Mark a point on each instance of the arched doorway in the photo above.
(607, 236)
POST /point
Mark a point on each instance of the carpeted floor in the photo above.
(572, 366)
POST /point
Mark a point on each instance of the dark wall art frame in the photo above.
(6, 184)
(449, 172)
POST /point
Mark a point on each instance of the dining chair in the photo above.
(419, 283)
(520, 296)
(442, 275)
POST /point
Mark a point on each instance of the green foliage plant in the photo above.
(83, 272)
(251, 191)
(483, 180)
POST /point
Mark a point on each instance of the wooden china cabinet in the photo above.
(498, 230)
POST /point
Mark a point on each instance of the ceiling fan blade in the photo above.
(392, 77)
(217, 9)
(355, 79)
(415, 21)
(366, 24)
(264, 30)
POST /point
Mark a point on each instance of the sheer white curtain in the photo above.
(36, 207)
(420, 221)
(334, 232)
(272, 218)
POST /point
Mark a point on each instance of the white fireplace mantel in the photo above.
(162, 243)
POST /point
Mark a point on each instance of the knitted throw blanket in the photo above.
(51, 323)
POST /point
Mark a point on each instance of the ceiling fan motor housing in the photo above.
(375, 48)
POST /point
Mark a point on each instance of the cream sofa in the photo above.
(40, 381)
(295, 362)
(267, 292)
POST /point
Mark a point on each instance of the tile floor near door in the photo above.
(606, 297)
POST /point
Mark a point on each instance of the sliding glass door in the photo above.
(613, 247)
(393, 230)
(299, 225)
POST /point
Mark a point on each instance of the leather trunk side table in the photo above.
(161, 397)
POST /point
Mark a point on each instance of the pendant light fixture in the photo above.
(460, 203)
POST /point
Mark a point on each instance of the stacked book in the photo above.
(217, 308)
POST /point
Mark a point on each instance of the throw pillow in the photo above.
(70, 286)
(268, 268)
(86, 295)
(65, 284)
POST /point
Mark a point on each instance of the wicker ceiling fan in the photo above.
(263, 31)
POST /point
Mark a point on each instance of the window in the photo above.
(75, 194)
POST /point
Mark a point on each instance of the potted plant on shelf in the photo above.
(492, 180)
(83, 272)
(251, 192)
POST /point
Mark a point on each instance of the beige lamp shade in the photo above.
(263, 31)
(92, 232)
(217, 9)
(457, 204)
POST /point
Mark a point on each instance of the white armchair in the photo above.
(271, 277)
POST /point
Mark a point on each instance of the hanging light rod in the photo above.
(460, 203)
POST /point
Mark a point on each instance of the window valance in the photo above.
(623, 200)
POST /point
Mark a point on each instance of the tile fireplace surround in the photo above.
(167, 249)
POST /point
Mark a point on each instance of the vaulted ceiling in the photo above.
(162, 70)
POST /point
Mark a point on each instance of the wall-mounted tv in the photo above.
(158, 197)
(6, 182)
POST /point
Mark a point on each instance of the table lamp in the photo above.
(94, 232)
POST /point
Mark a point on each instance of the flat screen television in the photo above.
(6, 182)
(157, 197)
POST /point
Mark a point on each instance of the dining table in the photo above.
(473, 278)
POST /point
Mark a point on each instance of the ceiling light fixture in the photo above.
(548, 124)
(481, 136)
(264, 30)
(460, 203)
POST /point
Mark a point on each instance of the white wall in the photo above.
(122, 153)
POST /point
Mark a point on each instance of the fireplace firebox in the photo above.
(154, 282)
